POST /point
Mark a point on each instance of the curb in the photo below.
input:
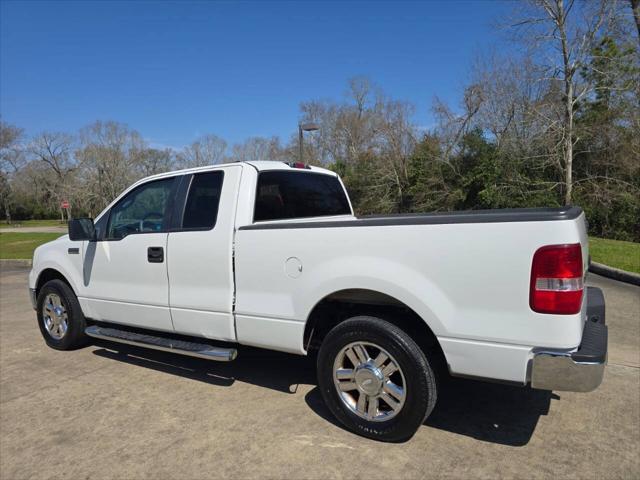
(615, 273)
(15, 262)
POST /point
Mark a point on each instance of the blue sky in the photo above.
(176, 70)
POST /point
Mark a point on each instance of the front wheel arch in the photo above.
(49, 274)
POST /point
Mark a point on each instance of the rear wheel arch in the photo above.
(341, 305)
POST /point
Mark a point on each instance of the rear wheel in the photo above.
(375, 379)
(60, 318)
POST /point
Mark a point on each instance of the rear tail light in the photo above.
(556, 280)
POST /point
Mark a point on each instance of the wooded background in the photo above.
(556, 123)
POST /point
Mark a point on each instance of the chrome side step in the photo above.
(193, 349)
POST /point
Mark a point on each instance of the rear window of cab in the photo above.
(285, 194)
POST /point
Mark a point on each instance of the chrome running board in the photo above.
(182, 347)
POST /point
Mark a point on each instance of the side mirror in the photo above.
(82, 229)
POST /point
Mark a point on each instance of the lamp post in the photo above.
(304, 127)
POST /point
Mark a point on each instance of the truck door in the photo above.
(125, 271)
(200, 263)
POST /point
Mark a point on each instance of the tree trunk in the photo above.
(568, 71)
(635, 6)
(7, 212)
(568, 143)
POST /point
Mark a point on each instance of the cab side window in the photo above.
(144, 210)
(201, 209)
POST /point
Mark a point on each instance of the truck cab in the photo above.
(124, 275)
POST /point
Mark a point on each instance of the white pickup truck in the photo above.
(269, 254)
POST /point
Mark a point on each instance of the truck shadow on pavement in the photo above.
(489, 412)
(274, 370)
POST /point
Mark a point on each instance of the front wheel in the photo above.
(60, 317)
(375, 379)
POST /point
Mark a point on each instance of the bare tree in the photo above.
(635, 7)
(10, 147)
(523, 114)
(54, 151)
(110, 154)
(207, 150)
(453, 126)
(351, 129)
(153, 161)
(369, 138)
(397, 143)
(11, 161)
(561, 35)
(258, 148)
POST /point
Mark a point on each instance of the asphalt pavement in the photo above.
(111, 411)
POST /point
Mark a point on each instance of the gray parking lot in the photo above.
(110, 411)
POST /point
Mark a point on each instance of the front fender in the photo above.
(55, 255)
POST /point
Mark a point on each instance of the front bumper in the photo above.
(583, 369)
(32, 297)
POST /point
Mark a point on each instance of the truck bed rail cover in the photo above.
(435, 218)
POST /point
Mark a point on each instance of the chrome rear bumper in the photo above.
(583, 369)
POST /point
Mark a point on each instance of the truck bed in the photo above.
(466, 274)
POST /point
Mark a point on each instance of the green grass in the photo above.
(32, 223)
(22, 245)
(615, 253)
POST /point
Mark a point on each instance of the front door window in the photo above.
(144, 210)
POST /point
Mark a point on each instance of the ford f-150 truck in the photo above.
(270, 254)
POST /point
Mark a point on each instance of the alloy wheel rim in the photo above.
(54, 316)
(369, 381)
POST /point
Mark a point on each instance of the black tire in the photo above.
(74, 336)
(421, 389)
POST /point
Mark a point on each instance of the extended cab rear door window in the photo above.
(201, 207)
(288, 194)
